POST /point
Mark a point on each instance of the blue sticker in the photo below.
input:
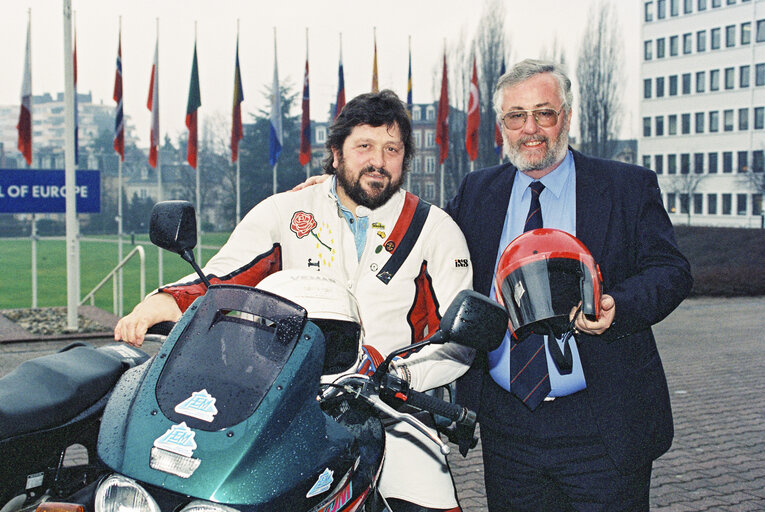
(322, 484)
(200, 405)
(178, 439)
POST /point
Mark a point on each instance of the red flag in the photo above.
(442, 122)
(473, 117)
(119, 126)
(340, 101)
(192, 106)
(236, 125)
(153, 106)
(375, 86)
(305, 124)
(25, 115)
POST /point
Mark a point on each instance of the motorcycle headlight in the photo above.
(206, 506)
(120, 494)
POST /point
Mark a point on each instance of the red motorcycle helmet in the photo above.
(541, 276)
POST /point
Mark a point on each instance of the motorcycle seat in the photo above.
(50, 390)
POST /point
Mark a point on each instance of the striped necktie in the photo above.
(529, 379)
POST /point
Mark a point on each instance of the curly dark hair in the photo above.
(374, 109)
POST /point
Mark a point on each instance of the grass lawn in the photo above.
(97, 259)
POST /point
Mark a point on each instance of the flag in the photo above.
(409, 103)
(375, 86)
(473, 117)
(442, 121)
(275, 138)
(119, 126)
(340, 101)
(498, 126)
(25, 115)
(76, 120)
(305, 124)
(153, 106)
(236, 124)
(192, 106)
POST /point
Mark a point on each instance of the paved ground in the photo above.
(714, 356)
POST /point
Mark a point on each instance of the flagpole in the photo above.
(33, 231)
(72, 242)
(197, 173)
(409, 97)
(308, 165)
(238, 166)
(120, 283)
(277, 93)
(159, 163)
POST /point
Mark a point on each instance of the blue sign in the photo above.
(43, 191)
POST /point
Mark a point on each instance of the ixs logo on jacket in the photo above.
(461, 263)
(304, 224)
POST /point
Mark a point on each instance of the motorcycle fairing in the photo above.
(266, 459)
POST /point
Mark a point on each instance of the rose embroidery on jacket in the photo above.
(303, 224)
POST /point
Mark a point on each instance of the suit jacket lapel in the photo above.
(593, 204)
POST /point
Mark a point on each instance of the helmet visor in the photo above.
(545, 290)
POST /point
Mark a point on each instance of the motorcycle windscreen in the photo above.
(543, 290)
(227, 358)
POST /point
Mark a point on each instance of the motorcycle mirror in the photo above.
(173, 227)
(473, 320)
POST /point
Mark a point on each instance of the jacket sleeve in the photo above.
(252, 252)
(450, 271)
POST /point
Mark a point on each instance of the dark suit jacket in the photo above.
(621, 220)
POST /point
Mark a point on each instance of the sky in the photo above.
(531, 28)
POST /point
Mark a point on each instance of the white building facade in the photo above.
(703, 108)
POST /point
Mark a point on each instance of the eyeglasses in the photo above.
(544, 117)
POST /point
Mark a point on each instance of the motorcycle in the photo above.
(48, 404)
(231, 414)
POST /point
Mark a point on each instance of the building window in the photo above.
(417, 139)
(685, 122)
(647, 161)
(698, 163)
(714, 44)
(727, 162)
(730, 78)
(647, 88)
(756, 204)
(701, 80)
(416, 165)
(714, 80)
(674, 7)
(430, 164)
(728, 120)
(731, 2)
(743, 119)
(660, 48)
(698, 203)
(759, 118)
(661, 9)
(673, 46)
(673, 85)
(712, 163)
(701, 41)
(647, 50)
(321, 134)
(646, 127)
(685, 163)
(687, 6)
(416, 113)
(746, 32)
(701, 5)
(660, 87)
(658, 163)
(730, 36)
(760, 31)
(430, 191)
(741, 202)
(743, 161)
(687, 43)
(714, 121)
(430, 138)
(671, 164)
(686, 83)
(699, 122)
(648, 11)
(712, 204)
(726, 204)
(430, 113)
(716, 3)
(671, 203)
(758, 160)
(672, 124)
(684, 203)
(743, 76)
(659, 126)
(759, 74)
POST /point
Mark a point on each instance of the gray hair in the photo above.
(526, 69)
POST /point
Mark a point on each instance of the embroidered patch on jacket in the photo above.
(461, 262)
(303, 224)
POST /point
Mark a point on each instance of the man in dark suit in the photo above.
(590, 445)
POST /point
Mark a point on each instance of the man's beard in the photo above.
(555, 152)
(379, 194)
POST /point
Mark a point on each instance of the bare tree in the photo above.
(601, 79)
(685, 185)
(555, 53)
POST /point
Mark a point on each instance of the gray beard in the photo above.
(555, 153)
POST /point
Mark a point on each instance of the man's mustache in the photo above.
(381, 170)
